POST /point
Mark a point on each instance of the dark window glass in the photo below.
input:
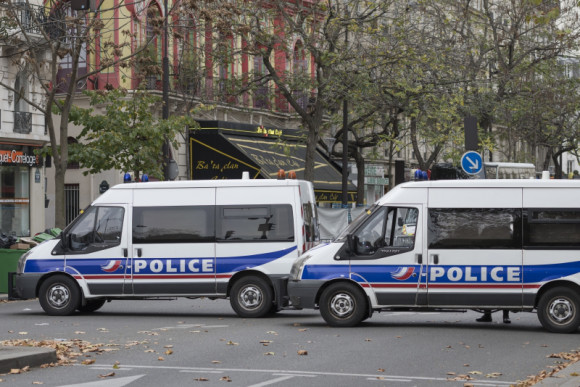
(474, 228)
(184, 224)
(552, 228)
(387, 227)
(97, 228)
(251, 223)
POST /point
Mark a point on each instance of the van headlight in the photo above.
(298, 266)
(22, 261)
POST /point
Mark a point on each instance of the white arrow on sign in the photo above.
(474, 164)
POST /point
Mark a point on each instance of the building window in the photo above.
(15, 200)
(71, 192)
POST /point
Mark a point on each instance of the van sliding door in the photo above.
(173, 235)
(474, 252)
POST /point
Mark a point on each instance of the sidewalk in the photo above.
(20, 357)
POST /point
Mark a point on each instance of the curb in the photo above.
(20, 357)
(566, 377)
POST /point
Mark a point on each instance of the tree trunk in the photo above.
(310, 153)
(59, 198)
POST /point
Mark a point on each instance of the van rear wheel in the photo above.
(251, 297)
(559, 310)
(59, 295)
(343, 305)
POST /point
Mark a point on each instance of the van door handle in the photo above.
(125, 253)
(419, 258)
(435, 259)
(139, 253)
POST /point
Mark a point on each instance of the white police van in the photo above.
(469, 244)
(216, 239)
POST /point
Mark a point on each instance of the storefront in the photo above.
(223, 150)
(21, 190)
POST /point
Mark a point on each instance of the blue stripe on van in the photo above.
(457, 274)
(87, 266)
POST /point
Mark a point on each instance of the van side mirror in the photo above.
(400, 222)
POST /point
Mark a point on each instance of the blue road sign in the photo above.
(471, 162)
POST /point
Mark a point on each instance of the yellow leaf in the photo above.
(160, 358)
(169, 352)
(88, 361)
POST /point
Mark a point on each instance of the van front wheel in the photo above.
(343, 305)
(251, 297)
(59, 295)
(559, 310)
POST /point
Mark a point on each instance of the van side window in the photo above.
(98, 228)
(474, 228)
(255, 223)
(552, 228)
(387, 227)
(178, 224)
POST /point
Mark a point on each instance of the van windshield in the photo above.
(357, 222)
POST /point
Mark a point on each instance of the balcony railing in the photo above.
(33, 19)
(22, 122)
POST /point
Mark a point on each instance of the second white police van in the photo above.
(450, 245)
(216, 239)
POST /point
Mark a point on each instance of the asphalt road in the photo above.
(202, 342)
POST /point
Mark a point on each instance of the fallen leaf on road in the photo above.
(272, 332)
(225, 379)
(265, 343)
(160, 358)
(37, 382)
(149, 350)
(296, 324)
(216, 362)
(168, 346)
(88, 361)
(475, 373)
(450, 373)
(302, 352)
(381, 370)
(79, 333)
(231, 343)
(466, 365)
(368, 340)
(493, 375)
(269, 353)
(22, 333)
(169, 352)
(302, 329)
(201, 379)
(110, 374)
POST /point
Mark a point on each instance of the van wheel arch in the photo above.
(59, 294)
(255, 285)
(52, 274)
(337, 280)
(555, 284)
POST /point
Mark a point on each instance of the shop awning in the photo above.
(222, 150)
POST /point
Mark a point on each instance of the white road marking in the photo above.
(205, 372)
(319, 373)
(383, 379)
(114, 382)
(189, 326)
(273, 381)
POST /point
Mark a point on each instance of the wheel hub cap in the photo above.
(342, 304)
(250, 297)
(58, 296)
(561, 310)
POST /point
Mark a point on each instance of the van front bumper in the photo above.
(22, 286)
(303, 293)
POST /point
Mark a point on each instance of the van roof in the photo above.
(493, 183)
(210, 183)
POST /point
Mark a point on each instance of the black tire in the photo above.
(343, 304)
(59, 295)
(251, 297)
(92, 305)
(559, 310)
